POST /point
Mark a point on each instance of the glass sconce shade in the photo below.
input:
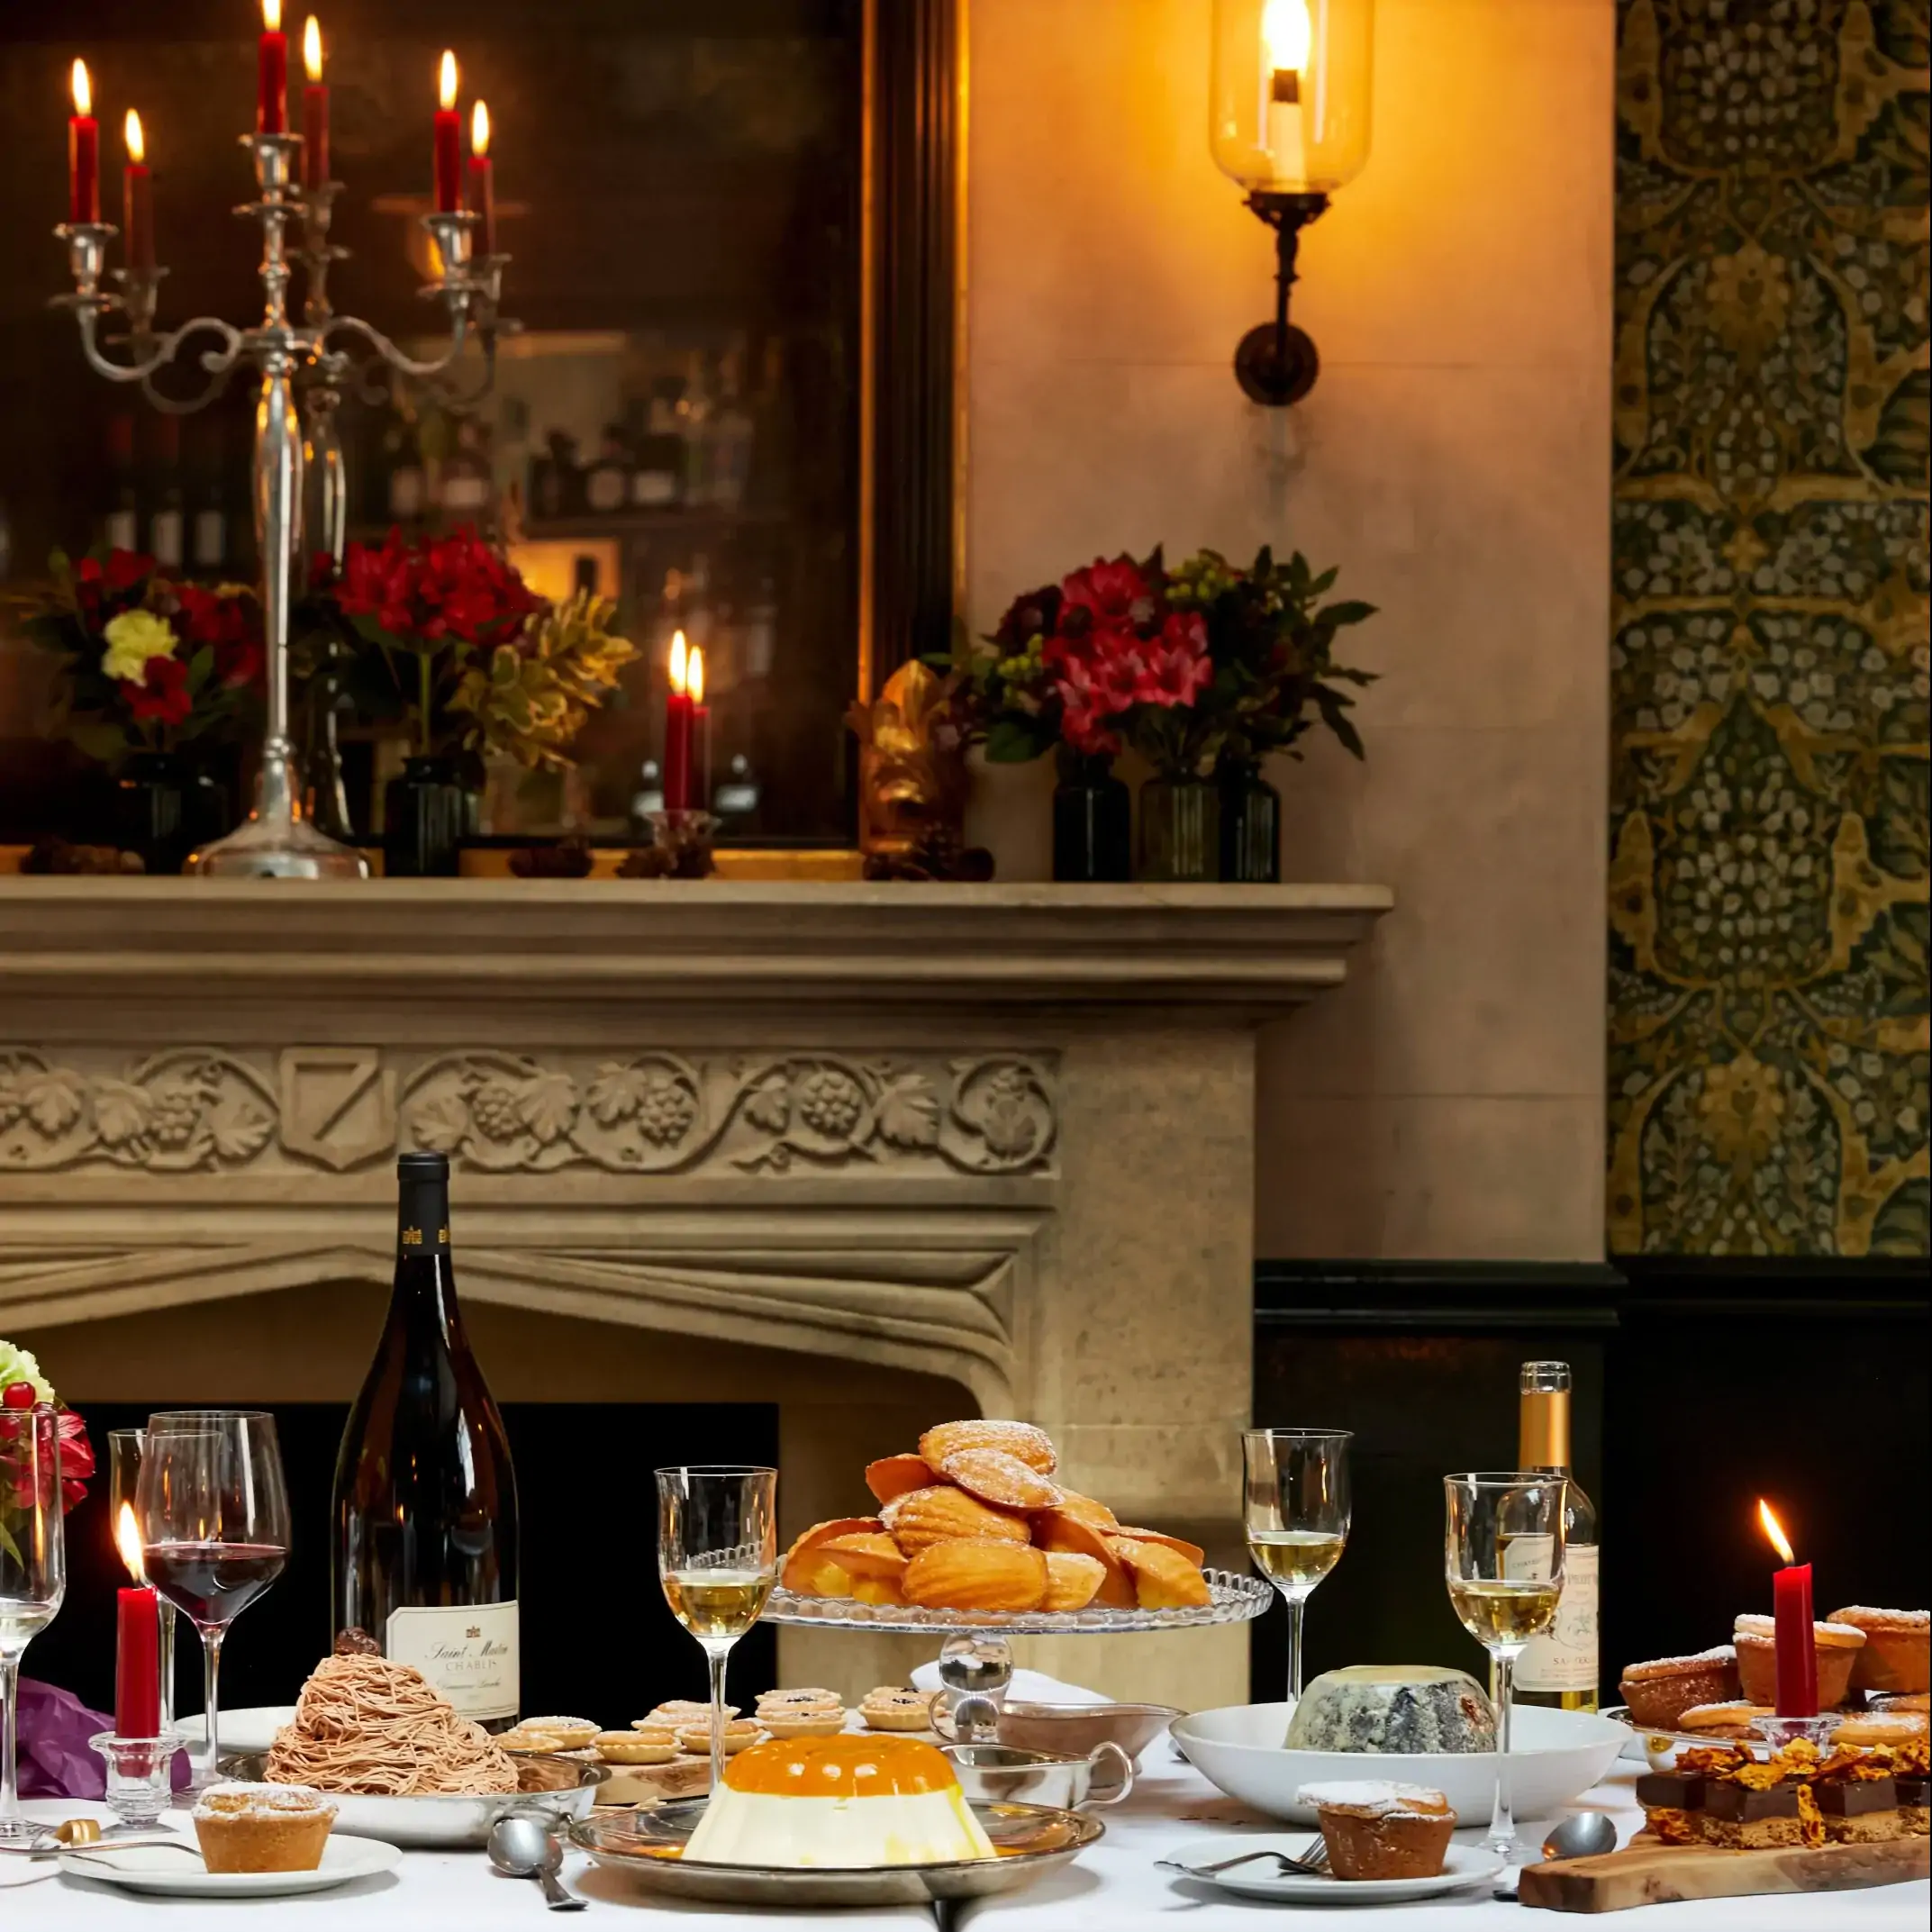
(1289, 92)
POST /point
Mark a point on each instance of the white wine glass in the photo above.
(1297, 1512)
(123, 1479)
(717, 1560)
(1503, 1560)
(33, 1577)
(213, 1511)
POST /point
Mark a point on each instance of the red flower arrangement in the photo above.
(18, 1396)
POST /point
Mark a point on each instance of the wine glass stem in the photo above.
(9, 1761)
(1295, 1608)
(211, 1673)
(167, 1664)
(1502, 1818)
(715, 1655)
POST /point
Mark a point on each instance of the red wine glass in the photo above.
(214, 1513)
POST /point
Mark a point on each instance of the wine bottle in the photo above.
(424, 1552)
(1559, 1667)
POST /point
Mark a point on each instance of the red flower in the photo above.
(229, 626)
(163, 695)
(77, 1452)
(76, 1459)
(454, 586)
(125, 569)
(1119, 594)
(1174, 667)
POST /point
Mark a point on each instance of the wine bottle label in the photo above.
(467, 1650)
(1564, 1657)
(210, 539)
(123, 529)
(164, 538)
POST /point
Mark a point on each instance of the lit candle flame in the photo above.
(1773, 1529)
(312, 48)
(136, 145)
(1286, 35)
(680, 664)
(127, 1540)
(271, 16)
(83, 89)
(446, 80)
(694, 674)
(479, 129)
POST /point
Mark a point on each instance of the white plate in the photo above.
(1555, 1755)
(241, 1730)
(181, 1874)
(1462, 1865)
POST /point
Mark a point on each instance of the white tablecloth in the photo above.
(1116, 1887)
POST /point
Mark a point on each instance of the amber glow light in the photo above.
(271, 16)
(1774, 1531)
(311, 48)
(127, 1540)
(137, 146)
(680, 664)
(446, 82)
(480, 129)
(83, 89)
(694, 674)
(1286, 34)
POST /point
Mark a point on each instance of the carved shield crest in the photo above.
(338, 1105)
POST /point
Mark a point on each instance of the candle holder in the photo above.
(140, 1782)
(302, 374)
(1778, 1732)
(680, 848)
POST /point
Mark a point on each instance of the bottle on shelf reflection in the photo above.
(208, 549)
(607, 480)
(167, 512)
(407, 497)
(121, 527)
(737, 795)
(469, 492)
(648, 798)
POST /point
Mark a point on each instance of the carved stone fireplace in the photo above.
(845, 1138)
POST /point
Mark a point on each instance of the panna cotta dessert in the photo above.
(845, 1802)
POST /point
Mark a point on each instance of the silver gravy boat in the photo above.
(1002, 1774)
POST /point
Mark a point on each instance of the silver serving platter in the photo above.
(1235, 1600)
(559, 1788)
(648, 1845)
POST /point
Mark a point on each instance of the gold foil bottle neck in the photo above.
(1543, 1429)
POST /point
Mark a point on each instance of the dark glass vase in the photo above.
(427, 814)
(1093, 823)
(1251, 825)
(1180, 837)
(167, 806)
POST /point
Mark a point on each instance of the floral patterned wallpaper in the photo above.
(1768, 876)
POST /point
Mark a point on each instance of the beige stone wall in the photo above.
(1453, 460)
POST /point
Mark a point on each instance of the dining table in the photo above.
(1117, 1885)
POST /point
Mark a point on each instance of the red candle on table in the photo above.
(271, 72)
(677, 721)
(448, 141)
(700, 731)
(137, 200)
(137, 1665)
(1797, 1646)
(314, 108)
(83, 152)
(482, 179)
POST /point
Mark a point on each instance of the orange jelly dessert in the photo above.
(845, 1801)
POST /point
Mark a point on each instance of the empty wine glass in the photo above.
(1297, 1513)
(1503, 1560)
(213, 1511)
(124, 1474)
(717, 1560)
(33, 1576)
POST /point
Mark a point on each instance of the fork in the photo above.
(1312, 1865)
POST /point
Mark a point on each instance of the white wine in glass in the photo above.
(32, 1580)
(717, 1560)
(1297, 1509)
(1503, 1561)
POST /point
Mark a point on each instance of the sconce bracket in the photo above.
(1276, 363)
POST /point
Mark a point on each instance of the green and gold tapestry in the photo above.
(1768, 917)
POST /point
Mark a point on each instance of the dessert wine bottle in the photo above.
(424, 1553)
(1559, 1667)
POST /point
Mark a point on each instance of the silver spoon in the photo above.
(1581, 1835)
(525, 1848)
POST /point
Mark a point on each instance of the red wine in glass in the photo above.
(212, 1582)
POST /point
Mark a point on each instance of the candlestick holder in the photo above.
(1778, 1732)
(292, 361)
(140, 1782)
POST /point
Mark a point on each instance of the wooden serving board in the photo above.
(1645, 1873)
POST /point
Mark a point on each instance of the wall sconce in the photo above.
(1289, 113)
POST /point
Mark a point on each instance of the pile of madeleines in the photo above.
(974, 1521)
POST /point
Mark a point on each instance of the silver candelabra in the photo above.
(303, 381)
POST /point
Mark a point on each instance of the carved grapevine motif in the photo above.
(171, 1114)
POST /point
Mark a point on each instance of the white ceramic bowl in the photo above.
(1555, 1755)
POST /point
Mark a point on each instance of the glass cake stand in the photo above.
(976, 1655)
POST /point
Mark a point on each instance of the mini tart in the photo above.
(795, 1702)
(695, 1739)
(893, 1707)
(635, 1748)
(523, 1742)
(1163, 1579)
(1731, 1717)
(968, 1575)
(1381, 1831)
(653, 1731)
(262, 1827)
(1659, 1693)
(1002, 1480)
(1837, 1646)
(1032, 1445)
(924, 1517)
(572, 1734)
(817, 1722)
(679, 1712)
(1898, 1652)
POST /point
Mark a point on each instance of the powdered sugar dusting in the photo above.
(1375, 1797)
(1717, 1654)
(261, 1800)
(1753, 1623)
(1891, 1619)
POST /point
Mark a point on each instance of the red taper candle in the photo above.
(314, 108)
(1796, 1641)
(137, 200)
(271, 72)
(136, 1664)
(448, 141)
(482, 180)
(677, 723)
(83, 152)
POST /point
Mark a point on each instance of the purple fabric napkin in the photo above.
(56, 1760)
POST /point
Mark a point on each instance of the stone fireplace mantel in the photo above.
(998, 1134)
